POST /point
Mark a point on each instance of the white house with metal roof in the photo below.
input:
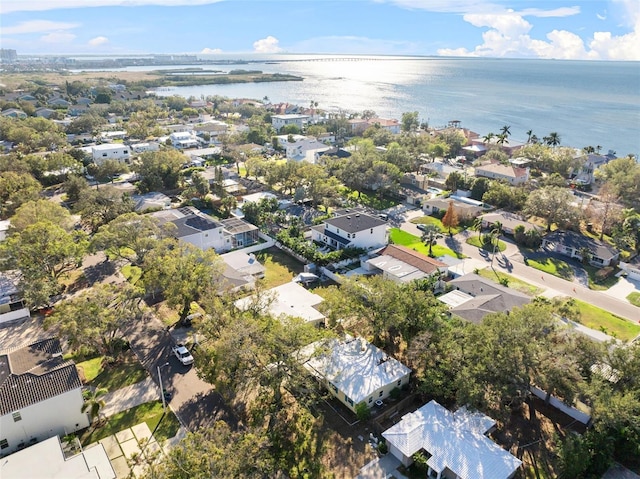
(456, 443)
(278, 121)
(354, 230)
(40, 395)
(355, 371)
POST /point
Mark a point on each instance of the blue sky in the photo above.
(571, 29)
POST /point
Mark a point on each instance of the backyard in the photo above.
(96, 372)
(398, 236)
(280, 267)
(370, 199)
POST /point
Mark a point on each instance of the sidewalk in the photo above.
(130, 396)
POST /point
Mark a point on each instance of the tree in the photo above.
(455, 180)
(200, 184)
(73, 187)
(553, 139)
(496, 231)
(99, 207)
(623, 174)
(477, 225)
(16, 189)
(94, 320)
(479, 188)
(131, 236)
(227, 204)
(554, 205)
(108, 170)
(450, 218)
(430, 235)
(505, 130)
(159, 170)
(410, 122)
(182, 272)
(32, 212)
(93, 402)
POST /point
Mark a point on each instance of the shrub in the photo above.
(362, 411)
(382, 447)
(395, 393)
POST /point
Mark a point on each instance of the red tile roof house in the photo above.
(402, 264)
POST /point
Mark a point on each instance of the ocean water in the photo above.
(587, 103)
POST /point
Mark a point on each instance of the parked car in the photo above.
(421, 227)
(183, 354)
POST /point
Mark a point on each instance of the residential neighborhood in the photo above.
(328, 293)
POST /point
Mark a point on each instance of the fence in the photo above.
(268, 243)
(579, 416)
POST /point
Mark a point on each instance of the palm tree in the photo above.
(589, 149)
(488, 137)
(502, 139)
(553, 139)
(477, 225)
(506, 130)
(535, 140)
(529, 135)
(585, 254)
(430, 235)
(93, 402)
(496, 231)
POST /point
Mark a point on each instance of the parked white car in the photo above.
(183, 354)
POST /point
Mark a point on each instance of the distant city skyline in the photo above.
(575, 29)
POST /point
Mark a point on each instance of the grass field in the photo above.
(477, 242)
(553, 266)
(514, 283)
(151, 413)
(281, 268)
(398, 236)
(596, 283)
(432, 220)
(634, 298)
(601, 320)
(371, 200)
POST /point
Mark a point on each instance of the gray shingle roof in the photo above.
(577, 241)
(34, 373)
(352, 223)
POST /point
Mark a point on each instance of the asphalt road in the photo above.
(511, 262)
(194, 401)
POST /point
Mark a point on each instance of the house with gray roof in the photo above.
(12, 305)
(572, 244)
(474, 297)
(509, 222)
(40, 395)
(196, 227)
(352, 230)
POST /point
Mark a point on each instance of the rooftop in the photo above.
(577, 241)
(352, 223)
(188, 220)
(356, 367)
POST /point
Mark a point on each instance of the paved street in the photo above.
(194, 401)
(511, 262)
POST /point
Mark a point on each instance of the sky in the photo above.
(561, 29)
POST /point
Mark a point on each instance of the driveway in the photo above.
(623, 288)
(194, 401)
(382, 468)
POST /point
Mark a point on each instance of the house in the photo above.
(280, 121)
(590, 163)
(289, 299)
(12, 306)
(512, 174)
(244, 263)
(300, 147)
(358, 125)
(455, 443)
(110, 151)
(355, 371)
(464, 207)
(352, 230)
(392, 126)
(113, 135)
(14, 113)
(83, 101)
(44, 112)
(78, 110)
(40, 395)
(238, 233)
(183, 139)
(632, 268)
(335, 152)
(196, 228)
(571, 244)
(474, 297)
(47, 460)
(145, 147)
(151, 201)
(27, 97)
(403, 265)
(59, 102)
(509, 222)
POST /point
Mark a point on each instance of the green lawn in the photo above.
(634, 298)
(553, 266)
(596, 283)
(281, 268)
(125, 372)
(151, 413)
(432, 220)
(371, 200)
(477, 242)
(601, 320)
(514, 283)
(398, 236)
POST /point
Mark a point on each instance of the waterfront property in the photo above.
(40, 395)
(456, 444)
(512, 174)
(355, 371)
(279, 121)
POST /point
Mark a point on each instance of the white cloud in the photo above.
(38, 26)
(508, 36)
(267, 45)
(210, 51)
(602, 17)
(556, 12)
(58, 37)
(7, 6)
(97, 41)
